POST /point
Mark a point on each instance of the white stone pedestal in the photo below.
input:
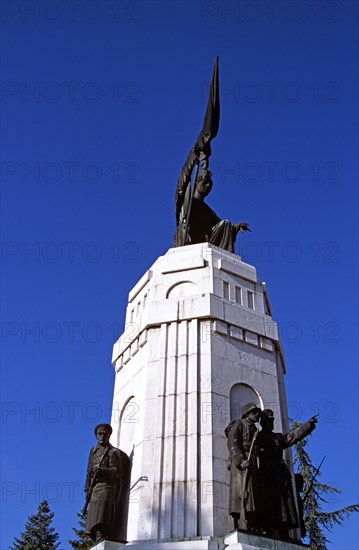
(245, 541)
(199, 342)
(108, 545)
(196, 543)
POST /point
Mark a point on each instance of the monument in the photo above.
(200, 352)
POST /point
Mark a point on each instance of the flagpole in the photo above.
(190, 204)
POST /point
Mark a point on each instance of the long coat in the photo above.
(247, 499)
(109, 499)
(282, 510)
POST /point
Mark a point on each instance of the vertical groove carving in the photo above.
(160, 439)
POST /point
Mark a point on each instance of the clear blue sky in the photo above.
(101, 102)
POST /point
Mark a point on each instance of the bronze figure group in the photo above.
(261, 498)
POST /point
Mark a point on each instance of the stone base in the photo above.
(194, 543)
(108, 545)
(245, 541)
(235, 540)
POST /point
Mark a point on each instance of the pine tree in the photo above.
(83, 541)
(38, 534)
(315, 519)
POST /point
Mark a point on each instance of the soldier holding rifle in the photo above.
(247, 498)
(106, 487)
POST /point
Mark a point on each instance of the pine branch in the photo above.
(337, 517)
(328, 489)
(83, 540)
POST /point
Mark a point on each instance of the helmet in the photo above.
(248, 407)
(268, 413)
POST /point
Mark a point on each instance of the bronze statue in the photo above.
(247, 498)
(107, 489)
(282, 514)
(196, 222)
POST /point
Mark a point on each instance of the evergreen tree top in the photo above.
(315, 518)
(39, 533)
(83, 540)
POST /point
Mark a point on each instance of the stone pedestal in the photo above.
(195, 543)
(199, 342)
(108, 545)
(245, 541)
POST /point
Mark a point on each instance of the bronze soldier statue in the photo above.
(107, 489)
(247, 499)
(282, 514)
(196, 222)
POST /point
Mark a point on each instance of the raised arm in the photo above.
(296, 435)
(200, 152)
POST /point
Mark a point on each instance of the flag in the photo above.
(211, 118)
(208, 132)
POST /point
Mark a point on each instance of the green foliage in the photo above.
(38, 534)
(83, 540)
(316, 520)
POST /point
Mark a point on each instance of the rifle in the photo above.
(258, 429)
(312, 481)
(92, 485)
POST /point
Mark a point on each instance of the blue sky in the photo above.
(101, 102)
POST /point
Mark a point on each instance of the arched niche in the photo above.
(239, 395)
(182, 290)
(128, 423)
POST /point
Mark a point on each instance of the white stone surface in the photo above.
(194, 544)
(242, 546)
(108, 545)
(183, 348)
(237, 540)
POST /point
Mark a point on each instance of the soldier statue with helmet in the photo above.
(247, 499)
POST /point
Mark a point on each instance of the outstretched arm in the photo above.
(242, 227)
(296, 435)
